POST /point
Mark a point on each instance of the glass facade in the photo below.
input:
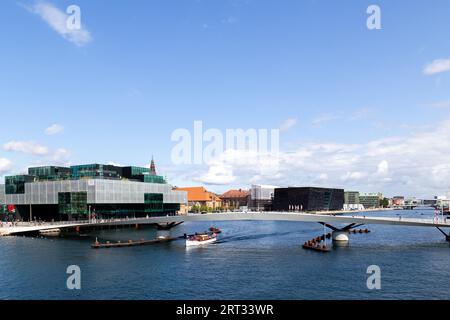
(16, 184)
(87, 171)
(141, 174)
(154, 202)
(100, 191)
(351, 197)
(49, 173)
(96, 171)
(72, 203)
(135, 171)
(153, 179)
(370, 200)
(171, 207)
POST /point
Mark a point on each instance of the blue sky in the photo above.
(364, 113)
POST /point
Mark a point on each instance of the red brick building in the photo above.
(235, 199)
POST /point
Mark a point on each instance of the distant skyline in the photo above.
(358, 109)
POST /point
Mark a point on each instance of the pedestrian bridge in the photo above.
(168, 221)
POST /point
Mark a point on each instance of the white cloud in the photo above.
(437, 66)
(54, 129)
(288, 124)
(219, 174)
(356, 175)
(383, 168)
(57, 20)
(5, 166)
(60, 155)
(440, 173)
(324, 119)
(26, 147)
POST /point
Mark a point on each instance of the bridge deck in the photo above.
(240, 216)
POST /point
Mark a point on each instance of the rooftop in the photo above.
(199, 194)
(93, 171)
(235, 194)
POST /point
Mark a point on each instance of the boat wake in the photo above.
(253, 236)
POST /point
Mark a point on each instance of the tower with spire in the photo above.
(152, 167)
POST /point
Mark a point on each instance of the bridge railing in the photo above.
(433, 220)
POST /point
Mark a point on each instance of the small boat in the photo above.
(200, 239)
(215, 230)
(50, 232)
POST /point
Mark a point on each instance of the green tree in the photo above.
(384, 203)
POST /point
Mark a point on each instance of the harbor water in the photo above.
(251, 260)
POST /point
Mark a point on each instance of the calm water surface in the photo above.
(252, 260)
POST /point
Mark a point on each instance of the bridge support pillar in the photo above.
(340, 236)
(163, 229)
(167, 226)
(447, 236)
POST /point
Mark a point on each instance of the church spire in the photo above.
(152, 167)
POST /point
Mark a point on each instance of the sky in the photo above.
(357, 108)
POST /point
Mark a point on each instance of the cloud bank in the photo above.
(417, 164)
(57, 20)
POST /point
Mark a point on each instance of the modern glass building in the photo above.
(106, 191)
(261, 197)
(351, 197)
(370, 200)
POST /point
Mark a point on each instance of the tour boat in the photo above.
(200, 239)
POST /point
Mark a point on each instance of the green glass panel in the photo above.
(72, 203)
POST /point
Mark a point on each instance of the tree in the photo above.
(384, 203)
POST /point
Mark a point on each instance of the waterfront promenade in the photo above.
(24, 228)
